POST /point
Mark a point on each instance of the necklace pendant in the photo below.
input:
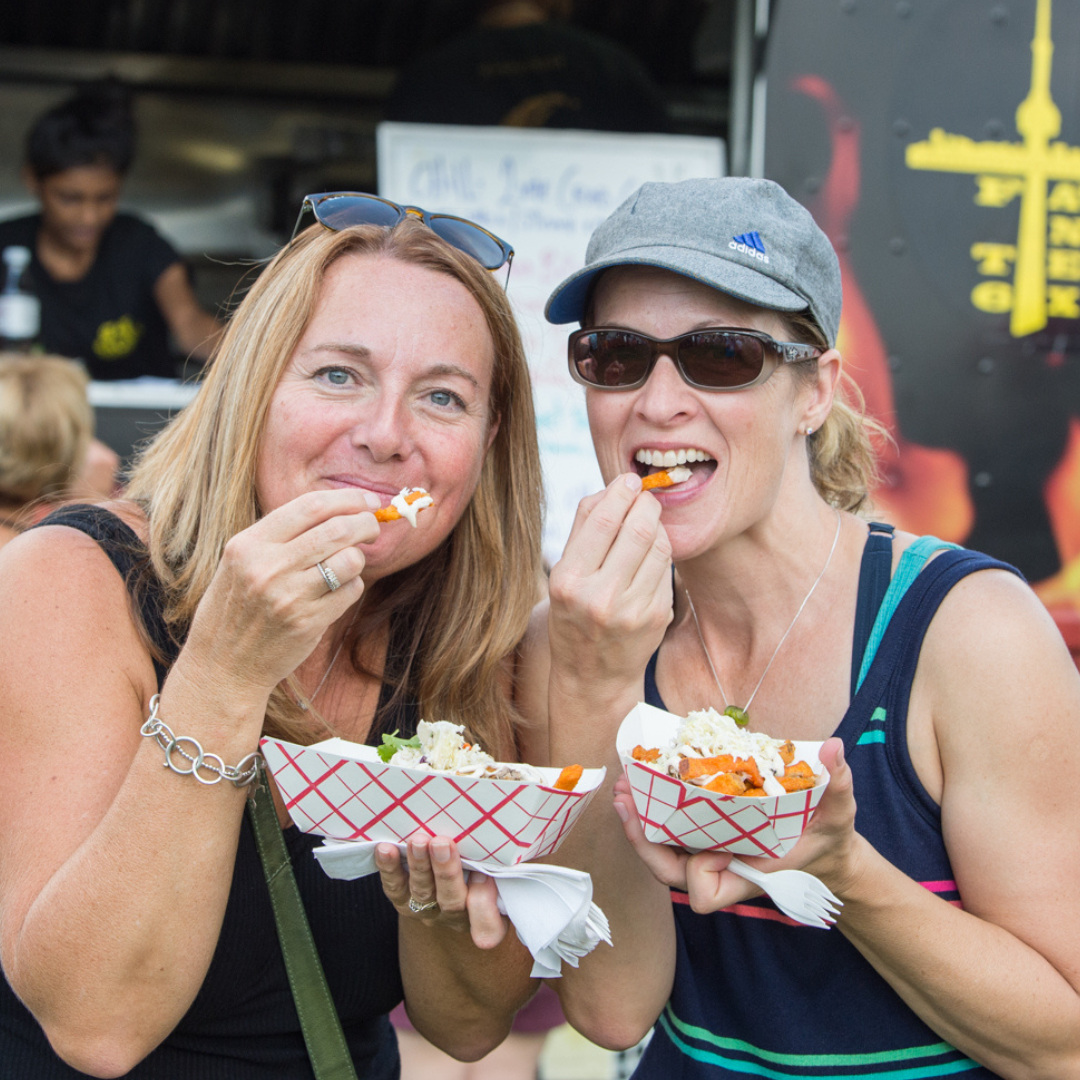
(740, 716)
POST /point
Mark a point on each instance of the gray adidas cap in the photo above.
(747, 238)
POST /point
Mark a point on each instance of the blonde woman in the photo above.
(246, 581)
(937, 682)
(47, 449)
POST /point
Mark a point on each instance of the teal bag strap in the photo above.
(911, 563)
(325, 1041)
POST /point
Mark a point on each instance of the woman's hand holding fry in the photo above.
(611, 594)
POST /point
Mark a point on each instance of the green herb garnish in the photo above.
(391, 744)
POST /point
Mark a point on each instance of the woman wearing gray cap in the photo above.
(946, 698)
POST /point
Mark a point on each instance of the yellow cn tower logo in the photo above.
(1045, 176)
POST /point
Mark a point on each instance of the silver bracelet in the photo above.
(241, 774)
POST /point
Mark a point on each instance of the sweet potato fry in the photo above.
(568, 778)
(727, 784)
(796, 783)
(754, 791)
(641, 754)
(692, 768)
(800, 768)
(666, 478)
(390, 513)
(787, 752)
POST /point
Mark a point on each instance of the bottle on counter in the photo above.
(20, 309)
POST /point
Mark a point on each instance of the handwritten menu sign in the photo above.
(543, 192)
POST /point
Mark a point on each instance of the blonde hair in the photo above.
(465, 606)
(843, 461)
(46, 424)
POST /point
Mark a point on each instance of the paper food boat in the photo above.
(679, 814)
(343, 790)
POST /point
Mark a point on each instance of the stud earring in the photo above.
(808, 432)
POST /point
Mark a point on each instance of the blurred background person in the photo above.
(522, 64)
(111, 287)
(47, 449)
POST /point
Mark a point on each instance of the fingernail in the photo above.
(624, 814)
(632, 481)
(373, 501)
(384, 851)
(840, 755)
(440, 851)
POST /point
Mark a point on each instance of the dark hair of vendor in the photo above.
(96, 126)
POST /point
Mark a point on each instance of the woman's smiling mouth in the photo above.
(647, 460)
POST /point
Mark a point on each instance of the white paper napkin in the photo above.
(550, 906)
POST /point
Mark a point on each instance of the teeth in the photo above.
(668, 459)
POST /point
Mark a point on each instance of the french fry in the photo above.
(666, 478)
(641, 754)
(390, 513)
(568, 778)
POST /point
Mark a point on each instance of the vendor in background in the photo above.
(47, 450)
(111, 288)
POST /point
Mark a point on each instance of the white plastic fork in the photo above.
(799, 895)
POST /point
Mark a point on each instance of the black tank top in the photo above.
(242, 1024)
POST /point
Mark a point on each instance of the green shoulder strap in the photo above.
(325, 1041)
(907, 570)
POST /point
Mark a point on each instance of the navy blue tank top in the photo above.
(242, 1024)
(758, 995)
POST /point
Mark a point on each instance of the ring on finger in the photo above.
(328, 575)
(416, 907)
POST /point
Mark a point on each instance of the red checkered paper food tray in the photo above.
(343, 790)
(682, 815)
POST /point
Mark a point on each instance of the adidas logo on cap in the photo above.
(749, 244)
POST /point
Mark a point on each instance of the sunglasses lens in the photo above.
(340, 211)
(611, 358)
(721, 361)
(471, 239)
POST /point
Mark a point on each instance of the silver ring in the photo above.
(329, 577)
(416, 907)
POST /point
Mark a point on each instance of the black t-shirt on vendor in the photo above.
(109, 318)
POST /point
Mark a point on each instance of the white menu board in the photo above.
(543, 192)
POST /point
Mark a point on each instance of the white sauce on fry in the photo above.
(409, 510)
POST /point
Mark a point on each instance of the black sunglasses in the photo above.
(717, 358)
(337, 210)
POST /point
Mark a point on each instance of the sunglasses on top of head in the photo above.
(717, 358)
(337, 210)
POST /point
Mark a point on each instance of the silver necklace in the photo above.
(330, 667)
(741, 715)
